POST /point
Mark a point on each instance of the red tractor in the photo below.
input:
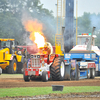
(45, 64)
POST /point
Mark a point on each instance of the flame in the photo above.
(36, 32)
(39, 39)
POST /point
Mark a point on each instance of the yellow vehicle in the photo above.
(10, 56)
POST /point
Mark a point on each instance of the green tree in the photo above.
(11, 12)
(97, 42)
(84, 23)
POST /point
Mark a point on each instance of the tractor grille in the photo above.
(35, 62)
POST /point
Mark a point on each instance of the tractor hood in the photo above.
(82, 49)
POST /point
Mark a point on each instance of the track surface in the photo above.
(10, 81)
(15, 80)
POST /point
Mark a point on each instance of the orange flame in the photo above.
(36, 32)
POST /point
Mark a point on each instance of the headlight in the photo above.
(35, 56)
(86, 55)
(38, 56)
(31, 56)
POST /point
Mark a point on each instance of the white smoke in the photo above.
(49, 27)
(95, 21)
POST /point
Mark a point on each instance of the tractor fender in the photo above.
(53, 56)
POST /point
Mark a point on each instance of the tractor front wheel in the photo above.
(26, 78)
(44, 76)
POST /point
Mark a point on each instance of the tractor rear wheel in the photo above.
(44, 76)
(58, 69)
(92, 73)
(12, 68)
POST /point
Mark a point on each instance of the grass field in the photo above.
(32, 91)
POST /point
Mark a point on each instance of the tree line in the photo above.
(11, 13)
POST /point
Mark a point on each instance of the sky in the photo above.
(92, 6)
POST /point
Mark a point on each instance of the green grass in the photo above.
(32, 91)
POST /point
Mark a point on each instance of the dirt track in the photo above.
(8, 81)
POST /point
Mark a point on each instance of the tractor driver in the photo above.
(48, 48)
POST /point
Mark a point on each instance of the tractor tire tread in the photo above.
(55, 69)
